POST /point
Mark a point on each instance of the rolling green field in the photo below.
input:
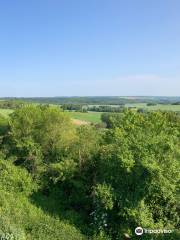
(163, 107)
(94, 117)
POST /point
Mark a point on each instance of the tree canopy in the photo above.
(83, 182)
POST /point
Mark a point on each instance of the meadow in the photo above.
(93, 117)
(5, 112)
(162, 107)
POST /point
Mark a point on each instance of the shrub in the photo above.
(15, 179)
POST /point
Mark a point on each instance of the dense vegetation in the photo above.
(11, 104)
(105, 108)
(93, 108)
(60, 181)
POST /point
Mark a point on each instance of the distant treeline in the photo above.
(99, 100)
(105, 109)
(176, 103)
(85, 108)
(11, 104)
(72, 107)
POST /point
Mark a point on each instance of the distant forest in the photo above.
(99, 100)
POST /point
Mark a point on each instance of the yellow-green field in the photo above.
(94, 117)
(5, 112)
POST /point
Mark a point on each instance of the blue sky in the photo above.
(89, 47)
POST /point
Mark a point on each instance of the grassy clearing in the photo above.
(94, 117)
(5, 112)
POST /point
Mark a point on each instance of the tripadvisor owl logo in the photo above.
(139, 231)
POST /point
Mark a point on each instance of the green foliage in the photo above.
(98, 100)
(23, 121)
(101, 236)
(106, 108)
(62, 171)
(10, 231)
(26, 221)
(11, 104)
(15, 179)
(86, 144)
(104, 196)
(109, 118)
(40, 134)
(70, 107)
(3, 125)
(29, 155)
(55, 133)
(141, 162)
(58, 180)
(151, 104)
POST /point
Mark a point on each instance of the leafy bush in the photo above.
(15, 179)
(25, 221)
